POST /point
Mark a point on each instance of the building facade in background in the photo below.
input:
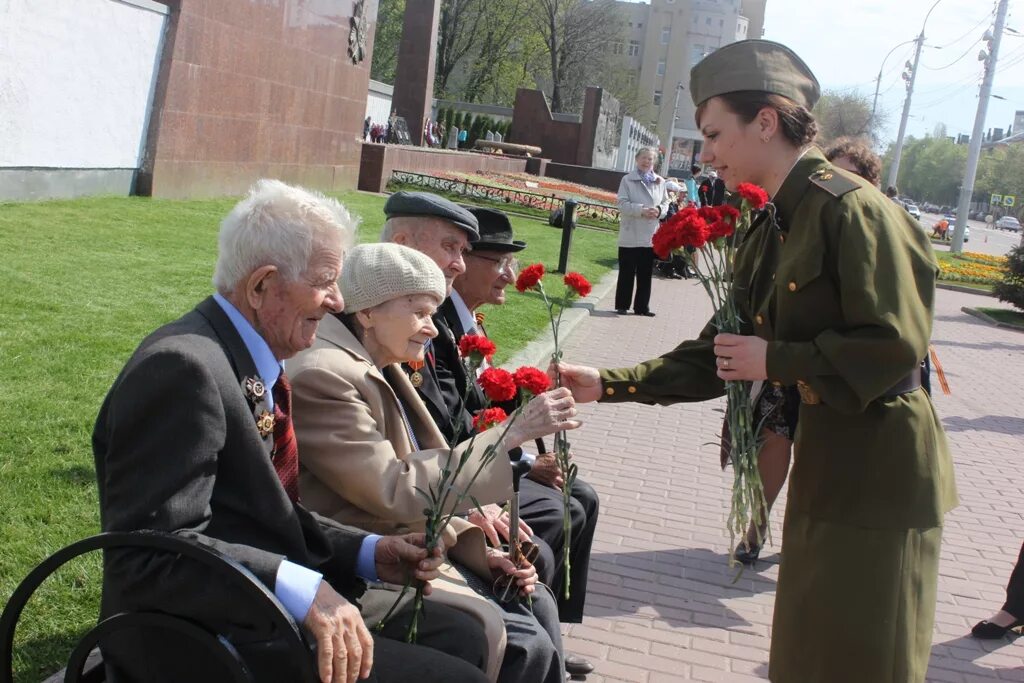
(663, 40)
(180, 98)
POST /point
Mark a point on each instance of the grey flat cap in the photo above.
(426, 204)
(760, 65)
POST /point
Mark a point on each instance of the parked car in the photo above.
(1008, 223)
(914, 211)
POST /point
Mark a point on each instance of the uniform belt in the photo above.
(911, 382)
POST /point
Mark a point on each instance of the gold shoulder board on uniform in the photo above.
(833, 181)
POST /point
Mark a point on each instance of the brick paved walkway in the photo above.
(661, 605)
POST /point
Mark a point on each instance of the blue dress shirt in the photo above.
(295, 586)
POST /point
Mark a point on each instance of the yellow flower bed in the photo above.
(963, 270)
(988, 259)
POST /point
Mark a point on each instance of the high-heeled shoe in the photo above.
(986, 630)
(746, 556)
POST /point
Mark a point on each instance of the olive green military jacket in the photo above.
(842, 287)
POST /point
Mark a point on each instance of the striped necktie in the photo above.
(286, 448)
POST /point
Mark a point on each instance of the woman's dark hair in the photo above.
(797, 124)
(891, 191)
(869, 166)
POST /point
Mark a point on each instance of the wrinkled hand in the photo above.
(650, 212)
(546, 471)
(550, 412)
(526, 577)
(399, 558)
(584, 382)
(494, 521)
(344, 648)
(741, 357)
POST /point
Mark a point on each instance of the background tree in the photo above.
(458, 33)
(846, 114)
(576, 35)
(387, 36)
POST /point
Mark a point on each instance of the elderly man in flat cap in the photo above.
(490, 268)
(839, 303)
(196, 439)
(445, 231)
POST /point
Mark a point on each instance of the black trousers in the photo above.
(541, 507)
(450, 648)
(635, 263)
(1015, 589)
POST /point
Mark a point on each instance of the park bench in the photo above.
(85, 664)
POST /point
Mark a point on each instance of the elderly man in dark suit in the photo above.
(195, 438)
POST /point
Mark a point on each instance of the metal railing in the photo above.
(592, 211)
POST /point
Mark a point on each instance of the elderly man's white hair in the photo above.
(278, 224)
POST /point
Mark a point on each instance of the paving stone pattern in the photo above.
(662, 606)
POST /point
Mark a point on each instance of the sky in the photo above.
(845, 41)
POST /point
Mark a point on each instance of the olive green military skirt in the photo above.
(854, 605)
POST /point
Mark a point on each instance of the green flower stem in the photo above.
(561, 445)
(748, 500)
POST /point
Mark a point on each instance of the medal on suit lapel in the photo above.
(254, 388)
(265, 423)
(416, 377)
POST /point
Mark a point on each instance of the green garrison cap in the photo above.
(760, 65)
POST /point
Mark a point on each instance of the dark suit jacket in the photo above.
(442, 389)
(177, 450)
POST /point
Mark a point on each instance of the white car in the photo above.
(1008, 223)
(914, 211)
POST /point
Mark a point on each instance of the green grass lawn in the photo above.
(1005, 316)
(85, 281)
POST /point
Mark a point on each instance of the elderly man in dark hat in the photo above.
(838, 297)
(490, 268)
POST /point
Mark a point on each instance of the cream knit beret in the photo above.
(376, 273)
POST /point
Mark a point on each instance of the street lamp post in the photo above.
(878, 81)
(671, 132)
(894, 169)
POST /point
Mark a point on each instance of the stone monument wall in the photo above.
(250, 88)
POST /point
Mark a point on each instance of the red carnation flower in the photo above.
(663, 241)
(709, 213)
(529, 277)
(690, 229)
(497, 384)
(488, 417)
(476, 347)
(531, 380)
(754, 195)
(578, 282)
(724, 224)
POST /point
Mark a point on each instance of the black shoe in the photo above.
(577, 666)
(649, 314)
(747, 557)
(621, 311)
(676, 276)
(986, 630)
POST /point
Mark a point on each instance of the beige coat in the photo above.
(358, 465)
(634, 196)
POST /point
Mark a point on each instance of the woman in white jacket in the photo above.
(642, 200)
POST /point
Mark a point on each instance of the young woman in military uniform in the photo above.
(838, 293)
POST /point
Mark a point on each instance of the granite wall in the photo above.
(254, 88)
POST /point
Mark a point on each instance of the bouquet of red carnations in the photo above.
(445, 496)
(713, 232)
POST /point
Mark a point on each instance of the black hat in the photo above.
(415, 204)
(495, 231)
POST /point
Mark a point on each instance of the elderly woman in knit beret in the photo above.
(367, 443)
